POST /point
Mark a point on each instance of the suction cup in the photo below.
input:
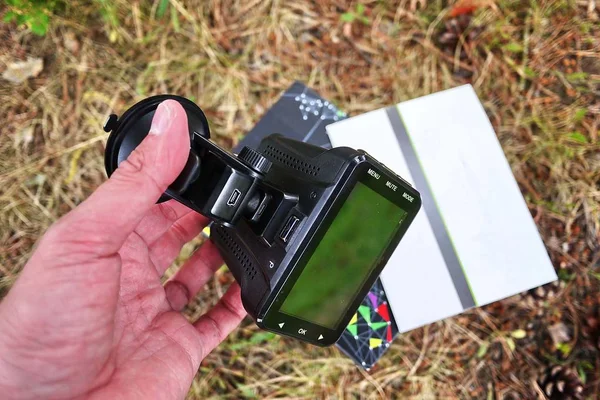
(128, 132)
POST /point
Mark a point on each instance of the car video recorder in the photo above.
(305, 231)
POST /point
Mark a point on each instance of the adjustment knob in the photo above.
(255, 160)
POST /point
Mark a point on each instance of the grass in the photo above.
(535, 65)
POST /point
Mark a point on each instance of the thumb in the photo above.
(113, 211)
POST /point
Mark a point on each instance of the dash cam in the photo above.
(305, 231)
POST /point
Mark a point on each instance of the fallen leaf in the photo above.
(559, 333)
(457, 10)
(482, 349)
(511, 344)
(519, 334)
(19, 71)
(467, 7)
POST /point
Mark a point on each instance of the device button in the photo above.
(320, 337)
(302, 331)
(281, 324)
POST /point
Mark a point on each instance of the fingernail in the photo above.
(162, 118)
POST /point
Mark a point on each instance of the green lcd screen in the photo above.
(344, 258)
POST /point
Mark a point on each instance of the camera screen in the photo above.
(344, 258)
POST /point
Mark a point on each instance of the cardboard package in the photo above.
(474, 240)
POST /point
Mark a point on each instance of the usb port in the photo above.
(234, 198)
(288, 229)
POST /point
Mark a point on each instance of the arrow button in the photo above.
(320, 337)
(281, 324)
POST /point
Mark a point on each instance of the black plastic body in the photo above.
(270, 207)
(266, 266)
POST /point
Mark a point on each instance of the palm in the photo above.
(148, 334)
(130, 338)
(155, 349)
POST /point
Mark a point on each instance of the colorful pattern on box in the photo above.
(371, 330)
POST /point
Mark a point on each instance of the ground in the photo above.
(534, 64)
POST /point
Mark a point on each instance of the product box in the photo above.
(472, 243)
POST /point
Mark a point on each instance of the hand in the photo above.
(89, 317)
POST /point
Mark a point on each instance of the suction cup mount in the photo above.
(214, 182)
(128, 132)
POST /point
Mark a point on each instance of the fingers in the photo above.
(113, 211)
(159, 219)
(217, 323)
(193, 275)
(166, 248)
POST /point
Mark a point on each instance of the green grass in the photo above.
(535, 66)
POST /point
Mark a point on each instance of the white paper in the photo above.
(488, 220)
(484, 213)
(416, 281)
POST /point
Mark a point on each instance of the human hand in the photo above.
(89, 317)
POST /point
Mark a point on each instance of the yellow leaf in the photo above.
(518, 334)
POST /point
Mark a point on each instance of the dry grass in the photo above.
(535, 66)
